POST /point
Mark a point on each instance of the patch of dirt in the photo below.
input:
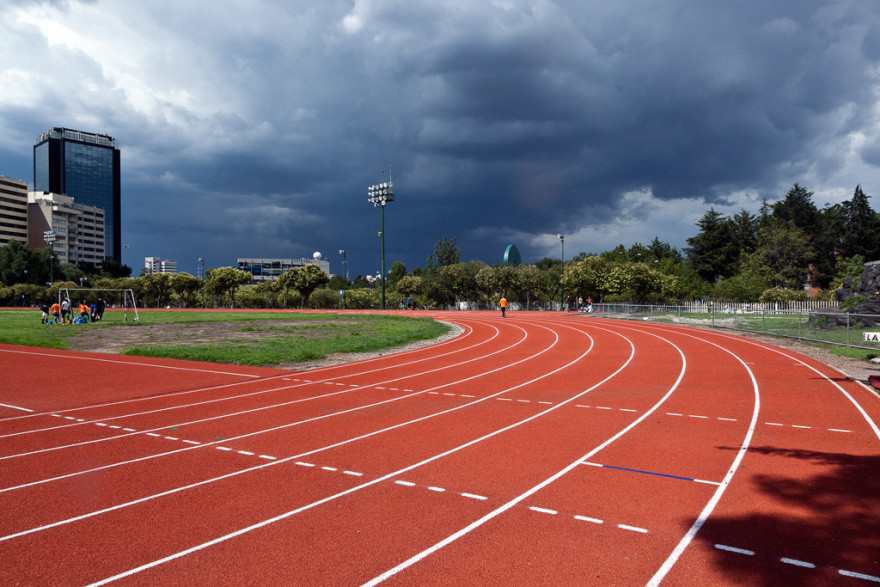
(114, 339)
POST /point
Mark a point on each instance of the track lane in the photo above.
(697, 565)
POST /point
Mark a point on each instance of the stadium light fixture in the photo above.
(379, 195)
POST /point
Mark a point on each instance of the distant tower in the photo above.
(85, 167)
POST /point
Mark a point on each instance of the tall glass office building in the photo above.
(84, 166)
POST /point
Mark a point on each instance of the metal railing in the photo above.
(823, 326)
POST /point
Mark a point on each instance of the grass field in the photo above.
(245, 338)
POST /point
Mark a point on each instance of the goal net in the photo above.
(110, 305)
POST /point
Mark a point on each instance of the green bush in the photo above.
(325, 299)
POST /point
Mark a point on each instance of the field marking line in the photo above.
(127, 363)
(229, 415)
(16, 408)
(286, 376)
(294, 457)
(288, 425)
(518, 499)
(384, 477)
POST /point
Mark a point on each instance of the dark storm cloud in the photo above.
(502, 120)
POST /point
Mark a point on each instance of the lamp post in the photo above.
(561, 238)
(344, 264)
(380, 195)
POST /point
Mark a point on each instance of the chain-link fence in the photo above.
(838, 328)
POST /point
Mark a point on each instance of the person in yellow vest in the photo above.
(502, 303)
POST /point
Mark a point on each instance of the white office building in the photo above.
(157, 265)
(269, 269)
(78, 229)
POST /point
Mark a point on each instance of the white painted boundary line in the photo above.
(232, 414)
(495, 513)
(468, 333)
(328, 447)
(16, 408)
(716, 497)
(380, 479)
(127, 363)
(291, 424)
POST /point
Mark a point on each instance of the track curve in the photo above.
(537, 449)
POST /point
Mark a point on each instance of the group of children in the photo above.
(61, 313)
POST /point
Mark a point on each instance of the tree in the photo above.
(186, 287)
(713, 252)
(225, 281)
(781, 258)
(445, 253)
(861, 228)
(398, 270)
(588, 278)
(156, 288)
(305, 280)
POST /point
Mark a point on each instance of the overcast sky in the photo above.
(253, 128)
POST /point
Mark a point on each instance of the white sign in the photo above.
(871, 336)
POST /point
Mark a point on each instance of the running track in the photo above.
(539, 449)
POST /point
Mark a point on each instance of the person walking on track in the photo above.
(502, 303)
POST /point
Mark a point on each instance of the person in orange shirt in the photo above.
(55, 310)
(502, 303)
(84, 312)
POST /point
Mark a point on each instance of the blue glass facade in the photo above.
(85, 167)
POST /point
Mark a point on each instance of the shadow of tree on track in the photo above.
(830, 518)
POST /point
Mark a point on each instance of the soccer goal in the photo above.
(103, 299)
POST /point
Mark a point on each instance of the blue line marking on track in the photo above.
(643, 472)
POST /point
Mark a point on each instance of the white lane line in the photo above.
(112, 426)
(504, 399)
(437, 489)
(632, 528)
(154, 435)
(707, 482)
(525, 401)
(796, 426)
(329, 468)
(100, 424)
(839, 430)
(171, 438)
(302, 464)
(797, 563)
(191, 442)
(734, 549)
(405, 483)
(269, 458)
(701, 417)
(728, 477)
(543, 510)
(245, 452)
(474, 496)
(19, 408)
(547, 403)
(773, 424)
(627, 410)
(356, 474)
(465, 395)
(728, 419)
(859, 576)
(673, 414)
(603, 408)
(581, 406)
(586, 519)
(223, 448)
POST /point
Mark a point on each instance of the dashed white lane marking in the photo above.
(474, 496)
(632, 528)
(356, 474)
(797, 563)
(225, 448)
(586, 519)
(245, 452)
(436, 489)
(268, 457)
(543, 510)
(859, 576)
(839, 430)
(405, 483)
(302, 464)
(734, 549)
(796, 426)
(329, 468)
(192, 442)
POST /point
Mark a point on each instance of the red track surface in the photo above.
(538, 449)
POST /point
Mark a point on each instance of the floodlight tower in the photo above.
(380, 195)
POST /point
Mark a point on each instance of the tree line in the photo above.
(786, 251)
